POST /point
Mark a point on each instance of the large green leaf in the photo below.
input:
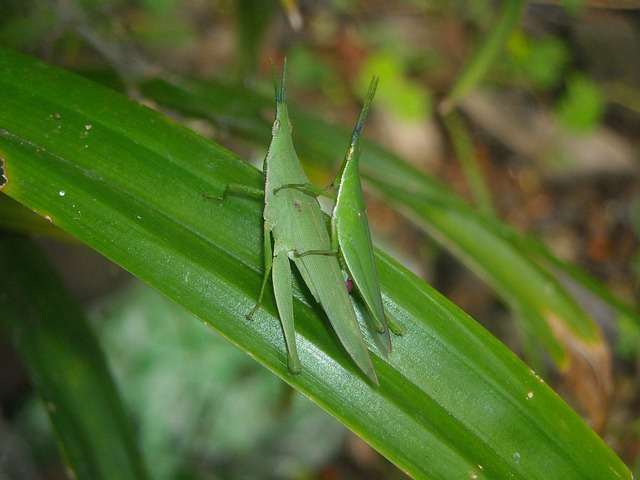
(495, 252)
(452, 403)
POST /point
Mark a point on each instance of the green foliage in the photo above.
(582, 106)
(23, 24)
(540, 60)
(573, 6)
(228, 414)
(452, 400)
(314, 72)
(67, 366)
(397, 93)
(253, 18)
(484, 56)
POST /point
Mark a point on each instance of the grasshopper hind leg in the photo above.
(283, 290)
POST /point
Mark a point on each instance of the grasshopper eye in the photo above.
(275, 128)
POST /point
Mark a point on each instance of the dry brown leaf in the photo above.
(587, 373)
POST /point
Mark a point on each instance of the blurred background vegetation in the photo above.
(546, 139)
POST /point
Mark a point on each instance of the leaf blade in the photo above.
(71, 376)
(452, 400)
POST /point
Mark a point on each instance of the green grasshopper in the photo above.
(350, 234)
(296, 223)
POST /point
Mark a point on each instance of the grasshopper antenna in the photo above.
(280, 94)
(367, 104)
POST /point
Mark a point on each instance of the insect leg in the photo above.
(397, 327)
(236, 189)
(268, 262)
(284, 300)
(331, 253)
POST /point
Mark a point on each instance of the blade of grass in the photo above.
(66, 364)
(463, 147)
(482, 59)
(452, 403)
(252, 23)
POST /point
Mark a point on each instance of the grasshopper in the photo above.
(296, 223)
(350, 234)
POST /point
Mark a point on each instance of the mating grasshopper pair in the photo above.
(292, 216)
